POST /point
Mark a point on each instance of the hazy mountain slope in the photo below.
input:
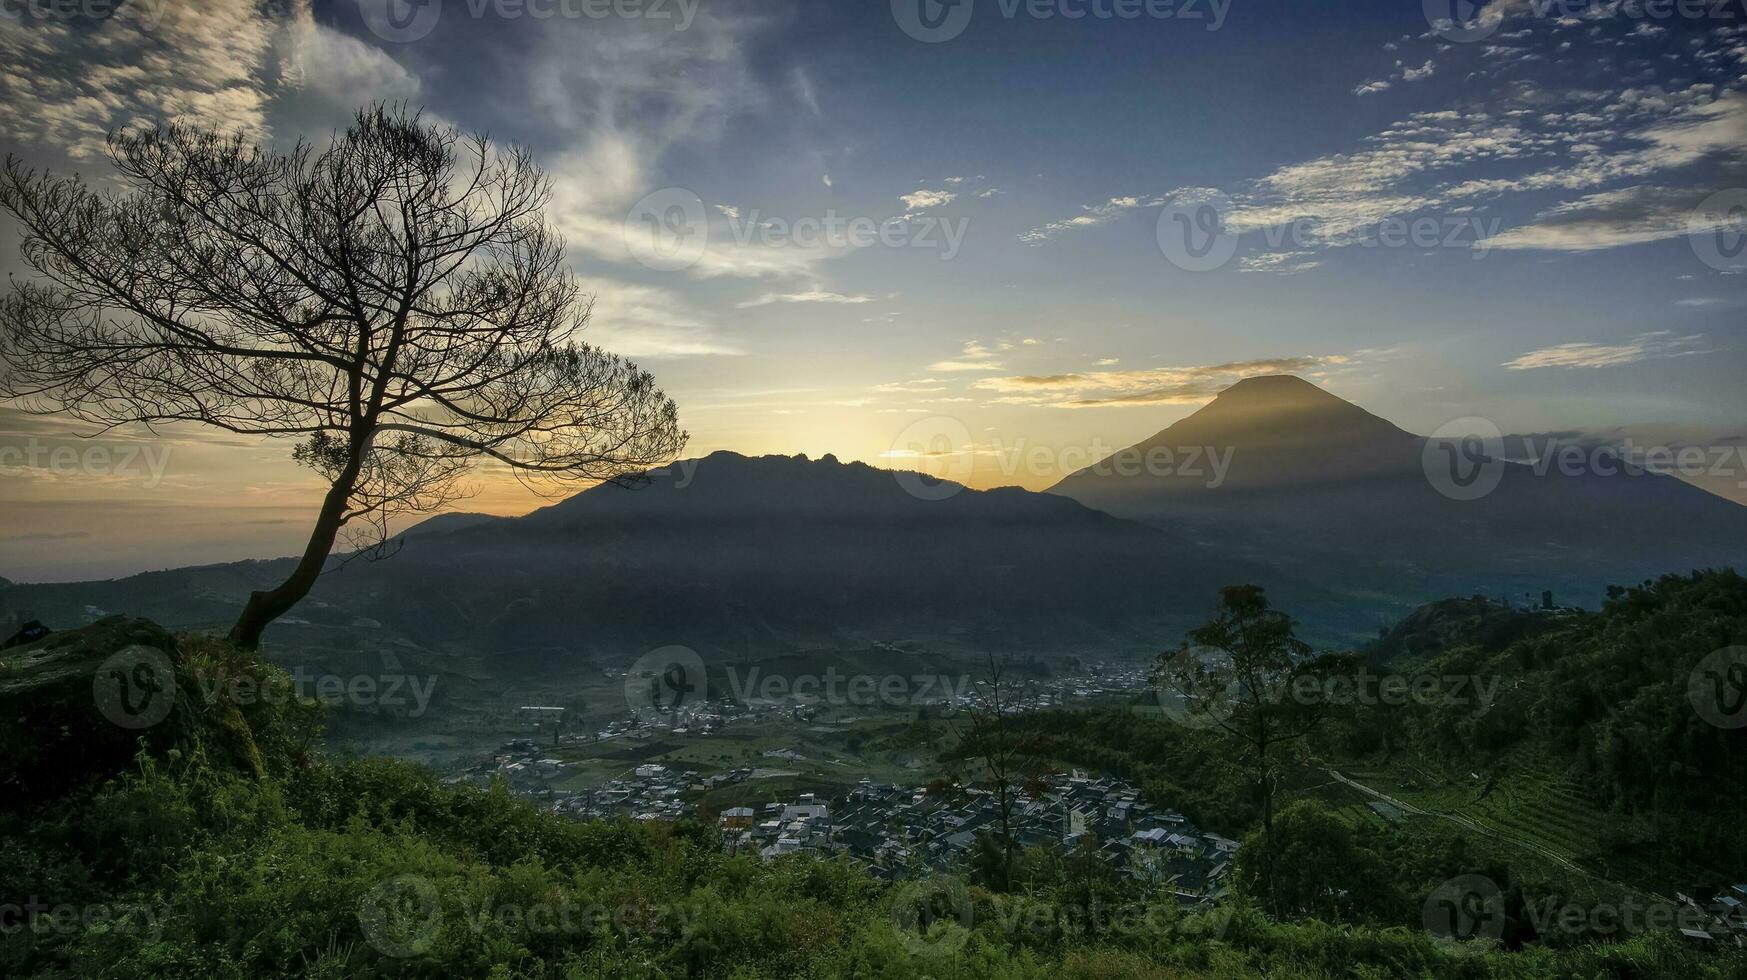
(1319, 486)
(731, 551)
(739, 555)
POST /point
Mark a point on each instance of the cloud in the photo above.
(1610, 219)
(1091, 216)
(1658, 344)
(47, 536)
(1517, 139)
(344, 70)
(814, 295)
(924, 199)
(1416, 74)
(974, 357)
(650, 322)
(1149, 386)
(229, 65)
(1371, 88)
(805, 93)
(616, 96)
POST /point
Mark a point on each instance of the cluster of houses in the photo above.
(1095, 681)
(899, 831)
(650, 791)
(1724, 917)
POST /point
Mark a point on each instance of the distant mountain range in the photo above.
(1328, 506)
(741, 556)
(1317, 487)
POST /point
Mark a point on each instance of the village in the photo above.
(899, 831)
(895, 827)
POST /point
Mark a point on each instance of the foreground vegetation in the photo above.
(229, 849)
(374, 869)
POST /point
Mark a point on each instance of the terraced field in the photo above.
(1525, 803)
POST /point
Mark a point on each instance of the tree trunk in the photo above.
(1268, 834)
(264, 607)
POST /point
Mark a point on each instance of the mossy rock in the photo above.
(78, 705)
(50, 694)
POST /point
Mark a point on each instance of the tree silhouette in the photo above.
(394, 303)
(1233, 674)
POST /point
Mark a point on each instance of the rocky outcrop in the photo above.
(78, 703)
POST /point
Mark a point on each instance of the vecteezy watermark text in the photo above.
(35, 916)
(836, 688)
(935, 21)
(145, 464)
(384, 690)
(1465, 459)
(1199, 687)
(934, 457)
(1200, 231)
(403, 21)
(1472, 907)
(671, 229)
(137, 687)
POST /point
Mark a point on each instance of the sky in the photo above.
(993, 239)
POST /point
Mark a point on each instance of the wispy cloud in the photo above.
(918, 385)
(1149, 386)
(814, 295)
(974, 357)
(650, 322)
(1657, 344)
(1091, 216)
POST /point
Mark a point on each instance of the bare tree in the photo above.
(1006, 754)
(393, 302)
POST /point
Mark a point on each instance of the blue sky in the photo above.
(1482, 219)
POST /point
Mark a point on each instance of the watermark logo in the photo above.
(938, 457)
(136, 687)
(1464, 458)
(665, 682)
(1193, 230)
(1718, 688)
(1465, 909)
(668, 231)
(401, 21)
(390, 691)
(934, 916)
(400, 917)
(932, 21)
(1462, 21)
(1717, 230)
(1198, 687)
